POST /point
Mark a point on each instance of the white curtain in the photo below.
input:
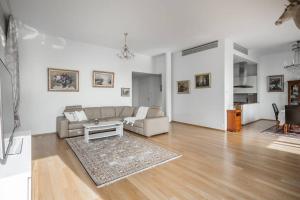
(12, 63)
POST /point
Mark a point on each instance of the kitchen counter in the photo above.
(240, 103)
(250, 112)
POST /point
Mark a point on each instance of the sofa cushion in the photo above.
(73, 108)
(76, 132)
(134, 129)
(127, 112)
(155, 112)
(119, 110)
(112, 119)
(107, 112)
(92, 113)
(77, 125)
(139, 123)
(135, 110)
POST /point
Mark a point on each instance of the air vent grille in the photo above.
(199, 48)
(240, 48)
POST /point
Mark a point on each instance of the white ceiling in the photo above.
(155, 26)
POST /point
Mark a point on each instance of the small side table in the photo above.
(234, 120)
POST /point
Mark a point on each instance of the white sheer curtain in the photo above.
(12, 63)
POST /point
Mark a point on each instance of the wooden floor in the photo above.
(214, 165)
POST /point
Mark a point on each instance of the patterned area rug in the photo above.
(110, 159)
(274, 131)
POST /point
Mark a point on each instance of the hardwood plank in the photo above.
(214, 165)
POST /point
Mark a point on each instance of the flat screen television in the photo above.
(7, 123)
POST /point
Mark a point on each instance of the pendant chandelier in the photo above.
(295, 64)
(125, 52)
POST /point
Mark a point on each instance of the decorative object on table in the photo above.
(108, 160)
(202, 80)
(103, 79)
(275, 83)
(125, 92)
(292, 11)
(183, 87)
(294, 92)
(96, 121)
(63, 80)
(125, 52)
(294, 64)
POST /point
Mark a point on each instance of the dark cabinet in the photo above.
(294, 92)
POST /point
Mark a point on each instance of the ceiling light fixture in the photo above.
(125, 52)
(295, 65)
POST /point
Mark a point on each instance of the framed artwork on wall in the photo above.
(183, 87)
(103, 79)
(202, 80)
(125, 92)
(275, 83)
(63, 80)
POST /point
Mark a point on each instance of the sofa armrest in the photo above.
(62, 126)
(157, 125)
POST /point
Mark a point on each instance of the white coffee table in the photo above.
(104, 127)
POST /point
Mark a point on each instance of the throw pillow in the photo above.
(71, 116)
(81, 115)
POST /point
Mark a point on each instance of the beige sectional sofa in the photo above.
(155, 122)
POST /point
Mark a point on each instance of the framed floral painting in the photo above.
(63, 80)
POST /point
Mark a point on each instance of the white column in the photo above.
(228, 78)
(169, 85)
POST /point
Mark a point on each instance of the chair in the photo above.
(276, 112)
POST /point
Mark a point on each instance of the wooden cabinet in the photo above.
(234, 120)
(294, 92)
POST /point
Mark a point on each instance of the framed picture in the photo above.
(63, 80)
(183, 87)
(202, 80)
(103, 79)
(125, 92)
(275, 83)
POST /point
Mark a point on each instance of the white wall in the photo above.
(38, 107)
(162, 64)
(169, 102)
(204, 107)
(273, 65)
(228, 78)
